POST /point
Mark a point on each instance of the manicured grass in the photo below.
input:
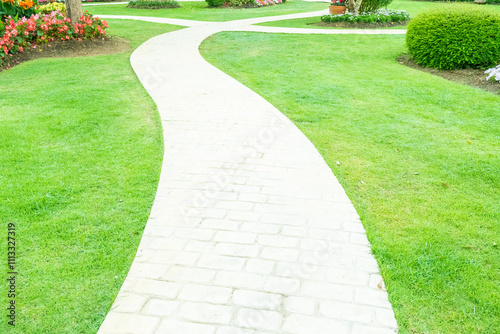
(81, 147)
(411, 6)
(201, 12)
(418, 158)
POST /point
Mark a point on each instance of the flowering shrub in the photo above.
(16, 8)
(45, 28)
(52, 7)
(338, 3)
(381, 16)
(261, 3)
(493, 73)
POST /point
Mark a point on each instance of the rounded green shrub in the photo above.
(455, 36)
(215, 3)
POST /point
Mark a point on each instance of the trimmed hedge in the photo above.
(153, 4)
(455, 36)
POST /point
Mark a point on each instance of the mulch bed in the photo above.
(59, 49)
(472, 77)
(360, 25)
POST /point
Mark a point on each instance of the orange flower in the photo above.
(26, 4)
(9, 1)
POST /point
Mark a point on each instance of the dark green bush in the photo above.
(455, 36)
(153, 4)
(215, 3)
(369, 6)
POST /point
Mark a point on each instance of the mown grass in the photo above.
(418, 157)
(81, 150)
(411, 6)
(200, 11)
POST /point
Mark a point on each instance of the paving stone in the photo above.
(239, 280)
(302, 324)
(257, 300)
(282, 285)
(259, 319)
(300, 305)
(188, 274)
(235, 237)
(260, 227)
(172, 326)
(129, 303)
(347, 311)
(205, 293)
(163, 289)
(278, 241)
(259, 266)
(221, 262)
(237, 250)
(385, 317)
(129, 323)
(206, 313)
(373, 297)
(327, 290)
(174, 257)
(160, 307)
(280, 254)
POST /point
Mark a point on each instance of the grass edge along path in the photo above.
(81, 157)
(416, 155)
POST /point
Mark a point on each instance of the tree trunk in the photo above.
(74, 10)
(354, 6)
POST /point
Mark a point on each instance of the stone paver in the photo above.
(250, 232)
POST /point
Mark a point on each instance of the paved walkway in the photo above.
(250, 231)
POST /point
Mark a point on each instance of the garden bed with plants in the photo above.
(379, 19)
(22, 28)
(243, 3)
(363, 14)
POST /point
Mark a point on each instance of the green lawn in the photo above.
(418, 158)
(81, 149)
(411, 6)
(201, 12)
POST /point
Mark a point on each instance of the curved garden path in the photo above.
(250, 231)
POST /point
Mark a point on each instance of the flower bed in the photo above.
(52, 7)
(380, 16)
(493, 73)
(15, 36)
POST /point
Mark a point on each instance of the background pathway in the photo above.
(250, 231)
